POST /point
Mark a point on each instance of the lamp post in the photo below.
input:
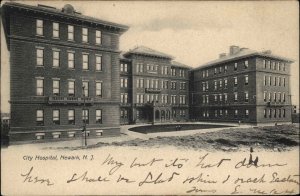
(84, 117)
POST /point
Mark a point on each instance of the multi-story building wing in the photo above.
(244, 85)
(156, 87)
(64, 70)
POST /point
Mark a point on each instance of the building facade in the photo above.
(64, 72)
(153, 87)
(244, 85)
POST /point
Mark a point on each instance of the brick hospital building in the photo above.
(64, 72)
(67, 72)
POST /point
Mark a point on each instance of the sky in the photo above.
(193, 32)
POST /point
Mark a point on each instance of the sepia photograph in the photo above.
(149, 97)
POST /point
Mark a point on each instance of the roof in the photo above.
(178, 64)
(143, 50)
(242, 54)
(58, 12)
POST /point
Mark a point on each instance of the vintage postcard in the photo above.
(149, 98)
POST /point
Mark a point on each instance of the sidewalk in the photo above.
(127, 135)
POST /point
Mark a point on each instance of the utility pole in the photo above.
(84, 116)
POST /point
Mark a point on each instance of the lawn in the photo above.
(173, 127)
(278, 138)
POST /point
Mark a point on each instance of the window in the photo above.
(221, 83)
(124, 98)
(85, 116)
(275, 81)
(270, 113)
(173, 85)
(235, 81)
(207, 98)
(275, 97)
(140, 98)
(246, 96)
(279, 113)
(39, 86)
(203, 74)
(85, 86)
(206, 73)
(124, 82)
(216, 85)
(220, 69)
(283, 65)
(55, 89)
(203, 86)
(182, 113)
(279, 81)
(246, 79)
(55, 32)
(98, 37)
(98, 63)
(265, 64)
(173, 99)
(71, 59)
(235, 97)
(215, 71)
(235, 66)
(216, 113)
(55, 117)
(84, 35)
(99, 116)
(269, 64)
(203, 99)
(247, 113)
(71, 88)
(220, 97)
(270, 80)
(225, 83)
(165, 84)
(274, 65)
(182, 85)
(55, 58)
(275, 113)
(39, 27)
(270, 98)
(283, 81)
(40, 117)
(265, 80)
(216, 98)
(283, 97)
(236, 113)
(40, 57)
(279, 96)
(70, 33)
(246, 64)
(225, 69)
(71, 117)
(283, 113)
(265, 96)
(99, 89)
(265, 113)
(139, 67)
(85, 61)
(225, 97)
(182, 99)
(173, 71)
(279, 66)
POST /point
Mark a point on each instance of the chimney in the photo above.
(234, 50)
(222, 55)
(242, 49)
(267, 52)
